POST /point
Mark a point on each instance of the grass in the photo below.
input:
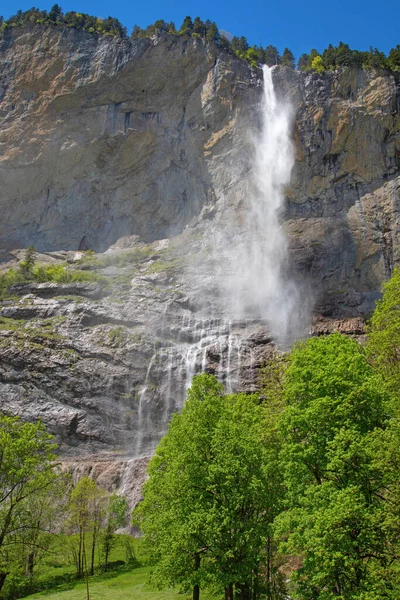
(132, 584)
(56, 576)
(122, 259)
(57, 273)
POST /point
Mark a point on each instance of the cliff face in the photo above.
(101, 138)
(344, 200)
(103, 141)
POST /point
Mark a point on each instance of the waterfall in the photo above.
(254, 279)
(260, 286)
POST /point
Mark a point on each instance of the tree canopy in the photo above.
(26, 476)
(212, 493)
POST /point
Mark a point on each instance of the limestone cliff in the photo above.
(102, 141)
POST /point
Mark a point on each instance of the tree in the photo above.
(115, 518)
(137, 32)
(199, 27)
(27, 264)
(212, 494)
(302, 62)
(313, 54)
(336, 406)
(212, 34)
(271, 56)
(86, 510)
(55, 13)
(317, 64)
(187, 26)
(288, 58)
(383, 346)
(26, 473)
(394, 58)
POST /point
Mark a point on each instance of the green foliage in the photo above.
(186, 27)
(9, 278)
(116, 517)
(271, 56)
(212, 34)
(55, 17)
(332, 57)
(302, 63)
(26, 265)
(29, 271)
(394, 58)
(26, 478)
(383, 345)
(317, 65)
(288, 58)
(336, 407)
(212, 493)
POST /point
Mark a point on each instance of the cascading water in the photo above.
(259, 289)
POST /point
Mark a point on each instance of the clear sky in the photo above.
(294, 23)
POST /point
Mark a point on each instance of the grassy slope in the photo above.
(126, 585)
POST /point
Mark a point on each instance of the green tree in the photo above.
(27, 264)
(187, 26)
(212, 494)
(317, 64)
(212, 34)
(86, 513)
(137, 32)
(26, 473)
(302, 62)
(271, 56)
(374, 59)
(199, 27)
(336, 405)
(383, 347)
(56, 14)
(394, 58)
(313, 54)
(116, 515)
(288, 59)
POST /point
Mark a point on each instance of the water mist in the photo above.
(249, 266)
(261, 287)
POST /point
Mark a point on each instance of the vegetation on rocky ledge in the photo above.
(331, 58)
(31, 271)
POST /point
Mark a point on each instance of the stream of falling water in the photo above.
(260, 287)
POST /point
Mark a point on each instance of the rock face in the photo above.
(102, 138)
(344, 201)
(148, 147)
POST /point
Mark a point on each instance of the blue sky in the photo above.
(298, 25)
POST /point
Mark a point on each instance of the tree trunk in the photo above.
(196, 592)
(3, 576)
(229, 592)
(196, 588)
(245, 592)
(80, 559)
(269, 559)
(242, 591)
(85, 569)
(31, 563)
(93, 554)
